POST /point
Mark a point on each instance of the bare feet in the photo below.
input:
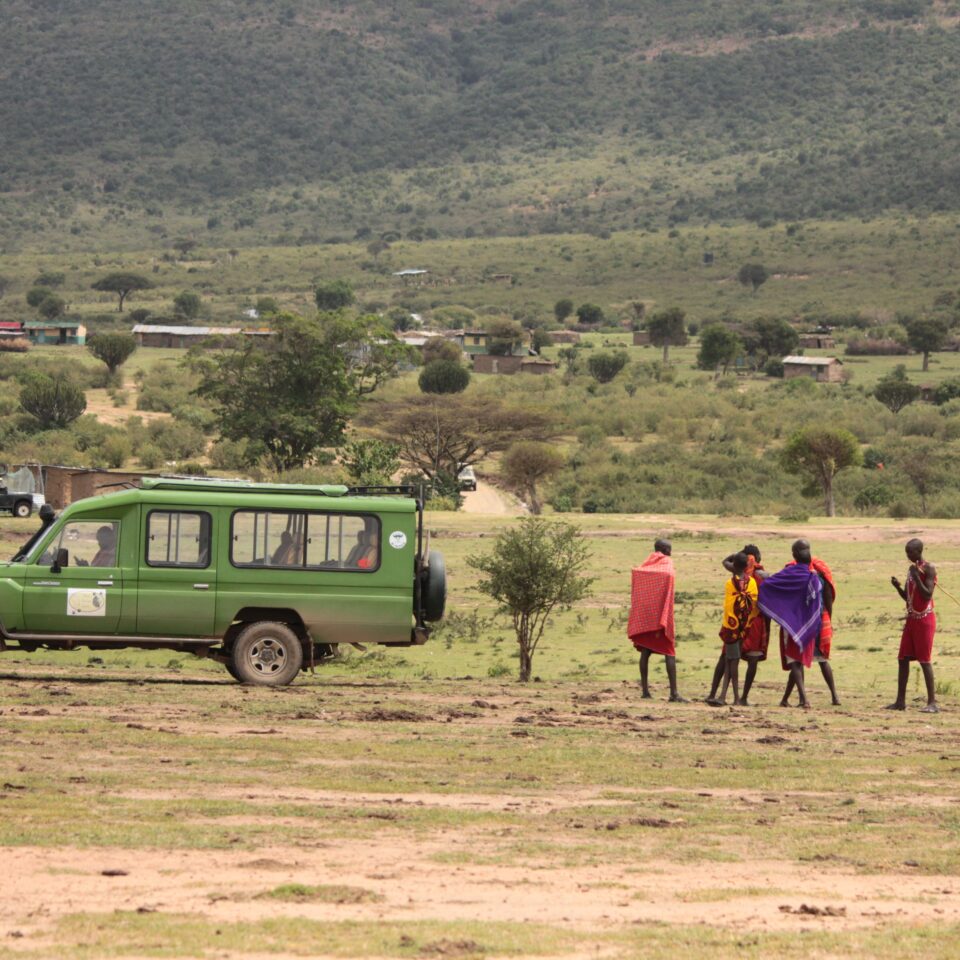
(646, 695)
(784, 703)
(715, 702)
(804, 705)
(676, 698)
(836, 703)
(930, 708)
(895, 706)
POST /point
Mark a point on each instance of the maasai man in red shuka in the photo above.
(916, 643)
(651, 615)
(821, 648)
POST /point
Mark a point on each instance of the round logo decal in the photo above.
(398, 539)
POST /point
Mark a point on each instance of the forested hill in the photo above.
(689, 109)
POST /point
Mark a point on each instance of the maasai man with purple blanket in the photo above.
(794, 599)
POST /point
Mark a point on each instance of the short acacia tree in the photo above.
(819, 454)
(528, 464)
(534, 568)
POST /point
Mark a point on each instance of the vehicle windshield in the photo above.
(47, 516)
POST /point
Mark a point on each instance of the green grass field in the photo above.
(880, 267)
(421, 802)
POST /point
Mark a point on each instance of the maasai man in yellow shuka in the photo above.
(739, 612)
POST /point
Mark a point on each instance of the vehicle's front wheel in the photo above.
(267, 654)
(22, 509)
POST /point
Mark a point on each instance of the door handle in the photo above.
(46, 583)
(201, 586)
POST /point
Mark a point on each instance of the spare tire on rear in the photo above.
(434, 587)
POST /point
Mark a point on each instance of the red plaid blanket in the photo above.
(651, 597)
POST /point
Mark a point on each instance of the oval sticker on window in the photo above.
(398, 539)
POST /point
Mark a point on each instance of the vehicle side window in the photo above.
(178, 539)
(343, 540)
(314, 541)
(89, 543)
(267, 539)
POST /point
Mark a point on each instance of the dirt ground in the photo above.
(461, 805)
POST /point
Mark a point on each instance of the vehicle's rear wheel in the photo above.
(434, 587)
(267, 654)
(23, 509)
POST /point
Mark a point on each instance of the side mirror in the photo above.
(63, 560)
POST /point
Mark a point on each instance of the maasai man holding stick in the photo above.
(916, 643)
(651, 615)
(794, 599)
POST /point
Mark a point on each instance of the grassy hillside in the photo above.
(454, 117)
(881, 267)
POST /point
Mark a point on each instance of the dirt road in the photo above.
(488, 499)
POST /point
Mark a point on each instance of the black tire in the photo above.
(266, 654)
(22, 509)
(434, 587)
(230, 669)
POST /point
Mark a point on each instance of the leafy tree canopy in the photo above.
(719, 347)
(818, 454)
(444, 376)
(289, 395)
(667, 329)
(334, 295)
(895, 391)
(122, 284)
(605, 365)
(753, 275)
(54, 403)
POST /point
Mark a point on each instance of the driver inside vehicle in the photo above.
(106, 556)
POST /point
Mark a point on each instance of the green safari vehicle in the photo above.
(264, 578)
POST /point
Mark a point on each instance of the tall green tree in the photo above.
(768, 337)
(667, 329)
(926, 335)
(719, 347)
(288, 396)
(562, 309)
(122, 284)
(187, 304)
(534, 569)
(753, 275)
(819, 454)
(590, 314)
(54, 403)
(51, 307)
(925, 462)
(334, 295)
(505, 336)
(114, 349)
